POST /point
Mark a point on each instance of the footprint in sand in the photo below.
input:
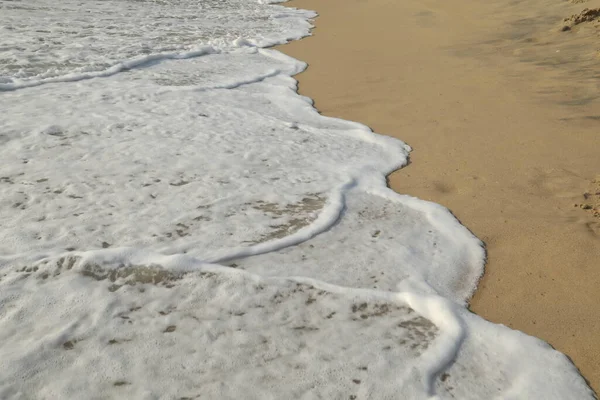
(591, 199)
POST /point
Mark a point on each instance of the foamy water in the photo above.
(177, 222)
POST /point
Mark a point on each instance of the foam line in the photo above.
(440, 311)
(115, 69)
(330, 214)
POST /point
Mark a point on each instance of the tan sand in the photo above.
(502, 109)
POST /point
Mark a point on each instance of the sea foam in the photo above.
(177, 222)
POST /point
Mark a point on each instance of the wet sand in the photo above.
(501, 105)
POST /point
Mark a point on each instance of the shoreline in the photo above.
(503, 133)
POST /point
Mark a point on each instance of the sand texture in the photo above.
(500, 102)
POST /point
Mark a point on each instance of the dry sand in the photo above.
(501, 105)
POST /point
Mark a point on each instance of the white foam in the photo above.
(72, 328)
(115, 69)
(42, 41)
(162, 142)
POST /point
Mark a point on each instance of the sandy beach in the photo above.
(501, 104)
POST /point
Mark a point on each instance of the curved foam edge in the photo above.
(457, 328)
(137, 62)
(115, 69)
(332, 211)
